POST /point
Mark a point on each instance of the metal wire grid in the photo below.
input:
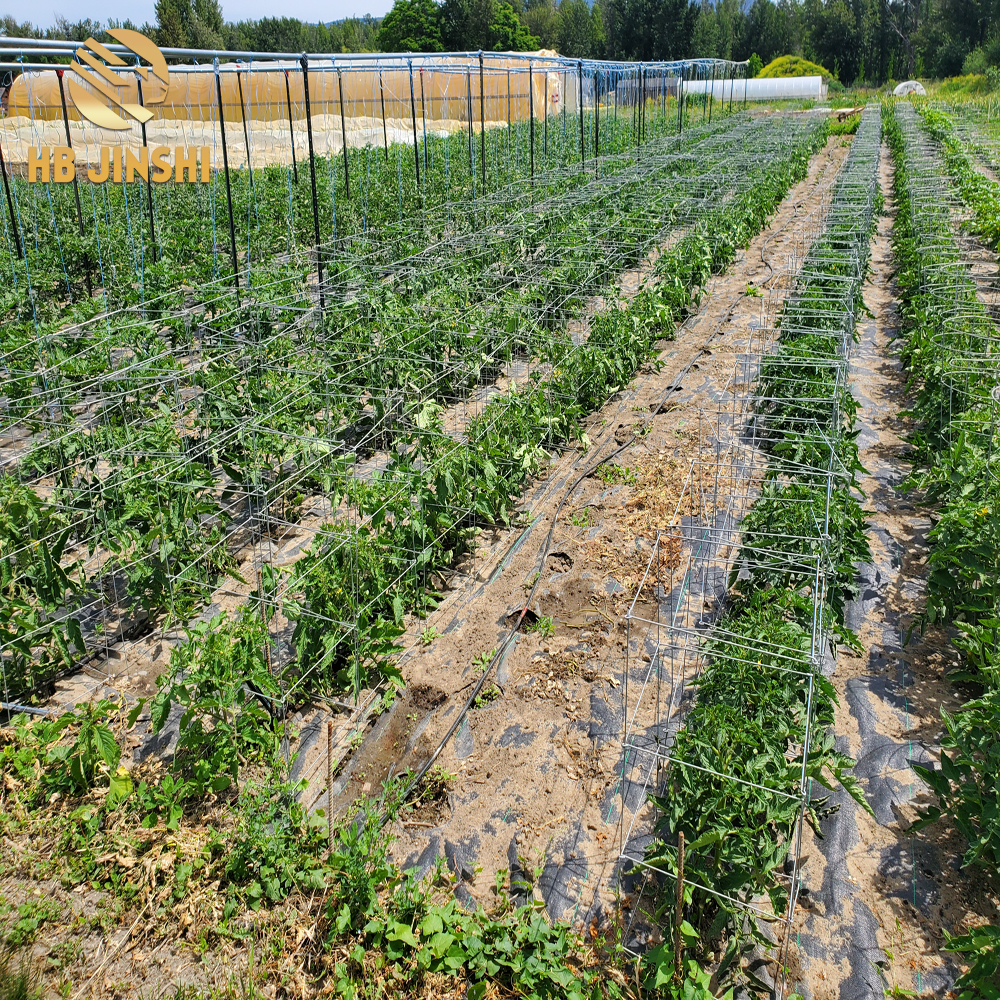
(62, 403)
(695, 560)
(961, 280)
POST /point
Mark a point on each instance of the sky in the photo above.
(141, 11)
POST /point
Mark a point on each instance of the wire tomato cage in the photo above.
(736, 622)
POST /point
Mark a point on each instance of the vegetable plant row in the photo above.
(120, 258)
(208, 445)
(193, 421)
(951, 349)
(757, 734)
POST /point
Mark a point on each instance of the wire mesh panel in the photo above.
(737, 619)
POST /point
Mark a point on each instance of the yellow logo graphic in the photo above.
(88, 105)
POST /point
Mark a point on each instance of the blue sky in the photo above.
(141, 11)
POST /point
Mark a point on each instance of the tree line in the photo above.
(858, 41)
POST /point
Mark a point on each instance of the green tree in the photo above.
(770, 30)
(467, 25)
(650, 29)
(705, 39)
(196, 24)
(576, 30)
(169, 26)
(412, 26)
(599, 41)
(541, 18)
(508, 34)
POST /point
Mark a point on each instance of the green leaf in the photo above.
(107, 745)
(119, 788)
(75, 635)
(440, 943)
(135, 713)
(401, 932)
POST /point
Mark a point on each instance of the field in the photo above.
(509, 563)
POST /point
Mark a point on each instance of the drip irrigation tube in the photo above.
(511, 636)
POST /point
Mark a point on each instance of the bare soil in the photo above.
(535, 761)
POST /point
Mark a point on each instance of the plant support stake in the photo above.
(385, 134)
(531, 118)
(642, 106)
(545, 122)
(149, 186)
(679, 915)
(229, 191)
(482, 124)
(69, 142)
(583, 158)
(413, 116)
(343, 134)
(291, 127)
(76, 186)
(423, 118)
(304, 61)
(10, 209)
(468, 105)
(243, 118)
(329, 783)
(597, 118)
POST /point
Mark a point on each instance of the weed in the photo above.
(489, 694)
(428, 635)
(19, 979)
(893, 989)
(611, 473)
(581, 517)
(435, 783)
(28, 917)
(483, 660)
(544, 627)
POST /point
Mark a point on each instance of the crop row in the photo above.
(488, 469)
(952, 350)
(129, 261)
(203, 453)
(224, 678)
(457, 264)
(757, 734)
